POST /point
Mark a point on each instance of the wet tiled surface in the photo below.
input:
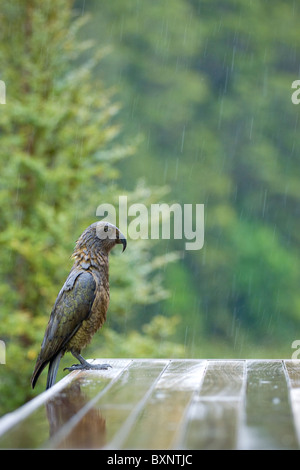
(164, 404)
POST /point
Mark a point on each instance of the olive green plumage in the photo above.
(81, 305)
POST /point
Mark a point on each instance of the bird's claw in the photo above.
(75, 367)
(88, 366)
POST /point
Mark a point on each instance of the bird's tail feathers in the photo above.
(53, 368)
(39, 367)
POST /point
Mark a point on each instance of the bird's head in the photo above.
(109, 235)
(99, 237)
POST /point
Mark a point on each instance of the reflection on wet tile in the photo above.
(87, 432)
(60, 414)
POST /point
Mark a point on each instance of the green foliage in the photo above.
(157, 339)
(58, 159)
(208, 85)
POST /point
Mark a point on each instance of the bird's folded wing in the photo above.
(73, 306)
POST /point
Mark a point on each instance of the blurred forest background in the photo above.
(186, 101)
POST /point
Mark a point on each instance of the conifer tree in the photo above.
(57, 164)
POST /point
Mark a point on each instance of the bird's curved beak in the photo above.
(121, 239)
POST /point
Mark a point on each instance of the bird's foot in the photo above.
(88, 366)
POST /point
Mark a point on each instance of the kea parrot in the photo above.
(81, 305)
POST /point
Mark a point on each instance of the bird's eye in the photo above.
(106, 228)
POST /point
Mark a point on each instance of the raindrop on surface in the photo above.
(276, 401)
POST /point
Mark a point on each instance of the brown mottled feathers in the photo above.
(81, 305)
